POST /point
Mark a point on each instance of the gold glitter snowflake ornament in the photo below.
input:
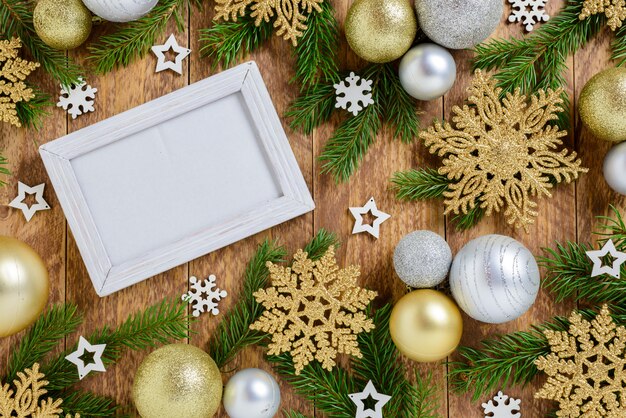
(12, 75)
(502, 152)
(314, 310)
(586, 368)
(614, 10)
(290, 14)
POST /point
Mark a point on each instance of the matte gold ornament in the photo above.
(26, 399)
(502, 153)
(426, 325)
(24, 286)
(380, 30)
(586, 368)
(602, 105)
(12, 75)
(614, 10)
(177, 380)
(290, 14)
(314, 310)
(62, 24)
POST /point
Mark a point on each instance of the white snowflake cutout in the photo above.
(502, 407)
(358, 90)
(528, 12)
(204, 295)
(75, 98)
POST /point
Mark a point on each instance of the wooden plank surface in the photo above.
(569, 215)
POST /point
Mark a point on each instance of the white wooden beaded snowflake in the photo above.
(502, 407)
(355, 95)
(528, 12)
(77, 98)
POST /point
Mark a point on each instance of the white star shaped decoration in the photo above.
(370, 391)
(84, 346)
(18, 202)
(598, 266)
(374, 228)
(181, 54)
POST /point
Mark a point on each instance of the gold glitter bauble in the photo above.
(62, 24)
(24, 286)
(177, 380)
(602, 105)
(426, 325)
(381, 30)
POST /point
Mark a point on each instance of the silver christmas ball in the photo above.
(494, 279)
(458, 24)
(422, 259)
(120, 10)
(615, 168)
(251, 393)
(427, 71)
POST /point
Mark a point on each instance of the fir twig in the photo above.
(86, 404)
(613, 227)
(464, 221)
(419, 184)
(32, 112)
(399, 109)
(312, 108)
(320, 244)
(294, 414)
(618, 47)
(3, 169)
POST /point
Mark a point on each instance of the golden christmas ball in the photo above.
(426, 325)
(381, 30)
(177, 380)
(602, 105)
(24, 286)
(62, 24)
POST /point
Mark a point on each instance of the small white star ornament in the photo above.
(374, 228)
(598, 265)
(181, 54)
(369, 392)
(29, 211)
(84, 369)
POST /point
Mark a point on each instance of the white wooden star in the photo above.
(181, 54)
(374, 228)
(598, 265)
(370, 392)
(18, 202)
(84, 368)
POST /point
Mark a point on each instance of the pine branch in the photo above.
(86, 404)
(464, 221)
(32, 112)
(312, 108)
(420, 184)
(3, 169)
(43, 336)
(320, 244)
(133, 40)
(294, 414)
(399, 109)
(618, 47)
(612, 227)
(426, 397)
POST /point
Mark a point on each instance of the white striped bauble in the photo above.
(120, 10)
(494, 279)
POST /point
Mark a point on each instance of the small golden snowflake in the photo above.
(586, 368)
(290, 14)
(314, 310)
(614, 10)
(502, 152)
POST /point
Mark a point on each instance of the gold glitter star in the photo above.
(586, 368)
(314, 310)
(614, 10)
(12, 75)
(502, 152)
(290, 14)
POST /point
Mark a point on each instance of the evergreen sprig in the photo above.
(3, 169)
(88, 404)
(32, 112)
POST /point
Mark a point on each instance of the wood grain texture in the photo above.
(569, 215)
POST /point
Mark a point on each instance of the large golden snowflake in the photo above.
(614, 10)
(314, 310)
(290, 14)
(586, 368)
(25, 401)
(12, 75)
(502, 152)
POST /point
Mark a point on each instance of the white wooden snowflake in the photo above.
(357, 93)
(76, 98)
(204, 295)
(528, 12)
(502, 407)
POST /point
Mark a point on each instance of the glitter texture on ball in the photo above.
(422, 259)
(602, 105)
(62, 24)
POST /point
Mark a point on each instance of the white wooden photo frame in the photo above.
(176, 178)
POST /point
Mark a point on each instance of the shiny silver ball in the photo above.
(251, 393)
(427, 71)
(494, 279)
(614, 168)
(422, 259)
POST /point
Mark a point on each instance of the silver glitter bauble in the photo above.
(427, 71)
(251, 393)
(458, 24)
(615, 168)
(494, 279)
(422, 259)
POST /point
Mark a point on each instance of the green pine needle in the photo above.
(618, 47)
(32, 112)
(294, 414)
(3, 169)
(86, 404)
(312, 108)
(419, 184)
(320, 244)
(465, 221)
(399, 109)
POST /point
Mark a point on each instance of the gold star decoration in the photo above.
(12, 75)
(290, 14)
(585, 368)
(314, 310)
(25, 401)
(614, 10)
(502, 152)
